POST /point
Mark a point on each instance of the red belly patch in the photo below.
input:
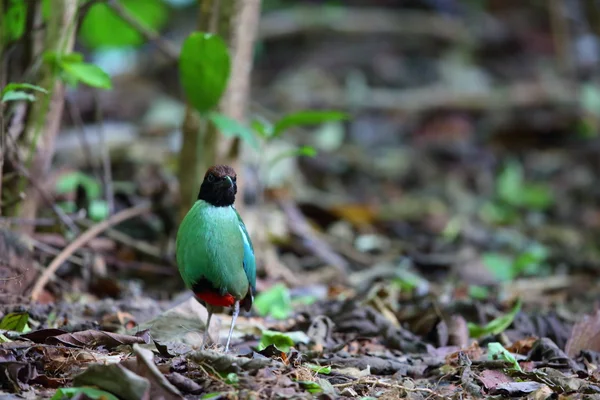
(215, 299)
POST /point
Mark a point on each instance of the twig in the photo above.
(312, 240)
(55, 252)
(122, 238)
(387, 385)
(82, 240)
(24, 221)
(165, 47)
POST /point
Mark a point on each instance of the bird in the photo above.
(214, 253)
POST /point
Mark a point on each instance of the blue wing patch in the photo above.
(249, 261)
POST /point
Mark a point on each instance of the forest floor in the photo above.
(443, 243)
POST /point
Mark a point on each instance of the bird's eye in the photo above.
(210, 178)
(234, 178)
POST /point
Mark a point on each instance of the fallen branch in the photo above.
(515, 95)
(343, 19)
(81, 241)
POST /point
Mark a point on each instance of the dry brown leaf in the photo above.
(491, 378)
(356, 214)
(522, 346)
(585, 335)
(92, 338)
(473, 352)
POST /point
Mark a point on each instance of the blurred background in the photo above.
(465, 172)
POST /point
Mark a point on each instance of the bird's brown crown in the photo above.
(220, 171)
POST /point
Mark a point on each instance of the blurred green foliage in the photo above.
(275, 302)
(13, 26)
(83, 392)
(514, 193)
(505, 268)
(17, 91)
(101, 27)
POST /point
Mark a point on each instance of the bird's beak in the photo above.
(227, 182)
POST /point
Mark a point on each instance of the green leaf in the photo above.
(307, 151)
(497, 352)
(311, 387)
(498, 213)
(531, 260)
(14, 20)
(280, 340)
(326, 370)
(15, 322)
(211, 395)
(16, 92)
(231, 128)
(98, 210)
(55, 58)
(22, 86)
(232, 379)
(204, 67)
(306, 118)
(501, 266)
(101, 27)
(537, 196)
(495, 326)
(87, 392)
(17, 95)
(68, 183)
(275, 302)
(263, 127)
(478, 292)
(90, 74)
(510, 183)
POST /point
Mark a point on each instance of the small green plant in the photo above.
(497, 352)
(268, 131)
(514, 193)
(506, 268)
(496, 326)
(204, 69)
(17, 322)
(283, 341)
(97, 208)
(326, 370)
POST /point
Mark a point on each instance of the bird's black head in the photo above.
(219, 186)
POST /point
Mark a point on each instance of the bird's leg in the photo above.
(205, 336)
(236, 311)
